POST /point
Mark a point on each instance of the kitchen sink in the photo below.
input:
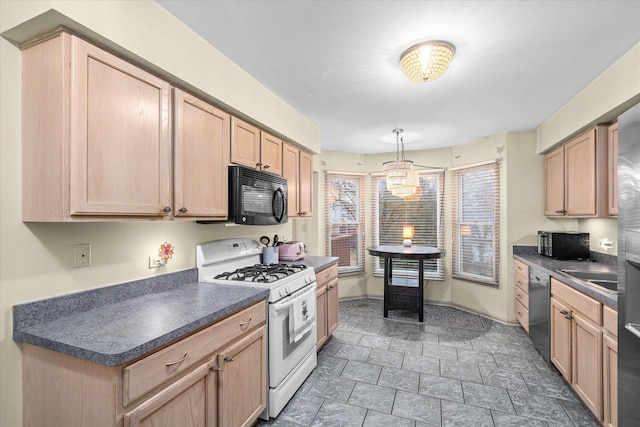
(602, 279)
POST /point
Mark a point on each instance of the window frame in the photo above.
(457, 223)
(433, 269)
(359, 268)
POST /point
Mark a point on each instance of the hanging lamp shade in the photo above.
(402, 179)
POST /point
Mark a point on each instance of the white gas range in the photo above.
(292, 309)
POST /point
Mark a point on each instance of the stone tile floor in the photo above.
(456, 369)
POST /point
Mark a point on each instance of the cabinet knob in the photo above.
(258, 164)
(183, 210)
(228, 359)
(215, 368)
(561, 211)
(265, 167)
(167, 209)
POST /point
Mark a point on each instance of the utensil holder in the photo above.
(270, 255)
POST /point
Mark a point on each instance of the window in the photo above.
(344, 213)
(422, 210)
(475, 219)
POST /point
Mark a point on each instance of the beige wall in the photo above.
(36, 260)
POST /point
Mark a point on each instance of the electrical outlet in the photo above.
(155, 262)
(606, 244)
(82, 255)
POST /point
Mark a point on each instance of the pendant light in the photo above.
(402, 179)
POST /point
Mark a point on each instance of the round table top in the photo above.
(404, 252)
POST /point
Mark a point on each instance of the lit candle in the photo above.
(407, 234)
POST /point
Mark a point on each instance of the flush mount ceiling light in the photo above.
(426, 61)
(402, 180)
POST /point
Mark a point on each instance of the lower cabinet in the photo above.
(584, 350)
(214, 377)
(327, 303)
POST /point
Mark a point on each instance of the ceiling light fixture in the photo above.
(426, 61)
(402, 180)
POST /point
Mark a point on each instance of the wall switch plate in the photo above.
(82, 255)
(155, 262)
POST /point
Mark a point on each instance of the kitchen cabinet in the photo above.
(521, 293)
(576, 176)
(214, 377)
(610, 366)
(254, 148)
(327, 303)
(612, 156)
(577, 343)
(96, 134)
(201, 153)
(298, 170)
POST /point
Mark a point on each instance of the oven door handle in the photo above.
(287, 302)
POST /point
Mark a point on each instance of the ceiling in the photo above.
(336, 62)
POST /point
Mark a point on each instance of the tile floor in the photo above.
(456, 369)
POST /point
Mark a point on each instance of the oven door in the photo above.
(283, 354)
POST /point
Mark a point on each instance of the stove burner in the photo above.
(262, 273)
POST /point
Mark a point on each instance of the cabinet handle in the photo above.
(214, 368)
(561, 211)
(228, 359)
(564, 312)
(258, 164)
(175, 362)
(167, 209)
(519, 314)
(265, 167)
(243, 324)
(519, 295)
(302, 213)
(183, 210)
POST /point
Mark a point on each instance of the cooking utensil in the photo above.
(275, 240)
(265, 240)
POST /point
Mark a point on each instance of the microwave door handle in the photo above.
(278, 194)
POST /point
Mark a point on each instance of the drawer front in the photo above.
(521, 268)
(324, 276)
(610, 320)
(522, 283)
(587, 306)
(522, 297)
(157, 368)
(522, 314)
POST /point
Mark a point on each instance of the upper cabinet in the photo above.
(254, 148)
(96, 135)
(201, 153)
(298, 171)
(613, 169)
(576, 176)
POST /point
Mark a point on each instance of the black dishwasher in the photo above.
(539, 301)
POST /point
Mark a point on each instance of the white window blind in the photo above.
(423, 211)
(475, 202)
(345, 220)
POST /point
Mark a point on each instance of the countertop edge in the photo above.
(150, 346)
(550, 266)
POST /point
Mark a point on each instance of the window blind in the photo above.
(423, 211)
(345, 220)
(475, 203)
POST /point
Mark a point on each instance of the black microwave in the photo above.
(256, 197)
(564, 244)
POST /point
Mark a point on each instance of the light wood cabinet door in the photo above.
(201, 155)
(245, 144)
(120, 147)
(270, 153)
(612, 143)
(561, 332)
(242, 381)
(587, 363)
(290, 171)
(305, 187)
(332, 306)
(554, 183)
(610, 380)
(190, 401)
(321, 316)
(580, 175)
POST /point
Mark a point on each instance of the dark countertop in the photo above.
(118, 332)
(318, 263)
(551, 267)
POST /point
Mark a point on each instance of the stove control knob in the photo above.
(286, 288)
(308, 280)
(283, 293)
